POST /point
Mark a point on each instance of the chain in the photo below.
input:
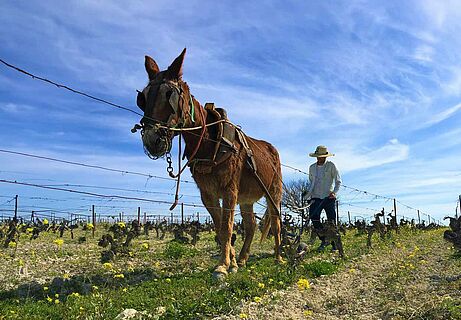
(169, 169)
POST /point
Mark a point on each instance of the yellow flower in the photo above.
(90, 226)
(261, 285)
(12, 244)
(108, 266)
(45, 288)
(66, 276)
(56, 295)
(95, 287)
(119, 275)
(280, 283)
(303, 284)
(308, 313)
(59, 242)
(81, 309)
(56, 301)
(398, 245)
(121, 224)
(243, 316)
(352, 270)
(257, 299)
(145, 246)
(29, 230)
(270, 280)
(423, 261)
(45, 221)
(49, 299)
(412, 255)
(75, 294)
(124, 289)
(21, 262)
(168, 280)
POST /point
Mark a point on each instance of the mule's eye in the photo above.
(141, 101)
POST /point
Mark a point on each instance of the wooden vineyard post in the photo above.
(349, 215)
(15, 207)
(337, 212)
(94, 219)
(395, 209)
(182, 213)
(139, 215)
(198, 217)
(145, 218)
(171, 221)
(419, 218)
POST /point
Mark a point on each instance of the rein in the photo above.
(169, 169)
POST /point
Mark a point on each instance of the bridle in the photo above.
(165, 131)
(183, 113)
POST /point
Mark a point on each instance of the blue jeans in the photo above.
(316, 208)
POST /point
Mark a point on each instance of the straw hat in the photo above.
(321, 151)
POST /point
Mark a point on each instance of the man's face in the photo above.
(321, 160)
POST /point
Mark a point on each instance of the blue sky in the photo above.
(378, 82)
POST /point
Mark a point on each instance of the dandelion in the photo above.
(352, 270)
(49, 299)
(161, 310)
(90, 226)
(145, 246)
(270, 280)
(56, 295)
(21, 262)
(303, 284)
(168, 280)
(257, 299)
(45, 288)
(29, 230)
(130, 253)
(280, 283)
(119, 275)
(56, 301)
(12, 244)
(124, 289)
(66, 276)
(130, 269)
(81, 309)
(243, 316)
(75, 294)
(308, 313)
(59, 242)
(121, 224)
(108, 266)
(45, 221)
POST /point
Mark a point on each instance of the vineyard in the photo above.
(163, 272)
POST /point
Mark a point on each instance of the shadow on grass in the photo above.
(81, 284)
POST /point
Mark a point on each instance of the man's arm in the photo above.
(337, 178)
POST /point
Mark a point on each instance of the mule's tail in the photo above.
(266, 225)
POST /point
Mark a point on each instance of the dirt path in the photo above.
(415, 279)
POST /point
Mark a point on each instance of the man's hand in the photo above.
(332, 195)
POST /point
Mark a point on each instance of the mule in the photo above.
(170, 110)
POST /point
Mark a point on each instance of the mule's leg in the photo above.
(227, 223)
(249, 225)
(212, 205)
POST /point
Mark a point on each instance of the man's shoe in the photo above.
(322, 246)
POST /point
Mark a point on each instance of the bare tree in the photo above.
(294, 194)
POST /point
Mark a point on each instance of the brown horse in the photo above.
(169, 109)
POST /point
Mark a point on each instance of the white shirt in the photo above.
(321, 180)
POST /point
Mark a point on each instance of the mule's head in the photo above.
(164, 102)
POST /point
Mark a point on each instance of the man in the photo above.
(322, 174)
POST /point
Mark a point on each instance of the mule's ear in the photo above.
(151, 67)
(175, 69)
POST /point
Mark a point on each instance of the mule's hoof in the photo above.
(280, 260)
(241, 263)
(219, 276)
(233, 269)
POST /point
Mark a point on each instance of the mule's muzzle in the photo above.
(157, 142)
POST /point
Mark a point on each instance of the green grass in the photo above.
(171, 280)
